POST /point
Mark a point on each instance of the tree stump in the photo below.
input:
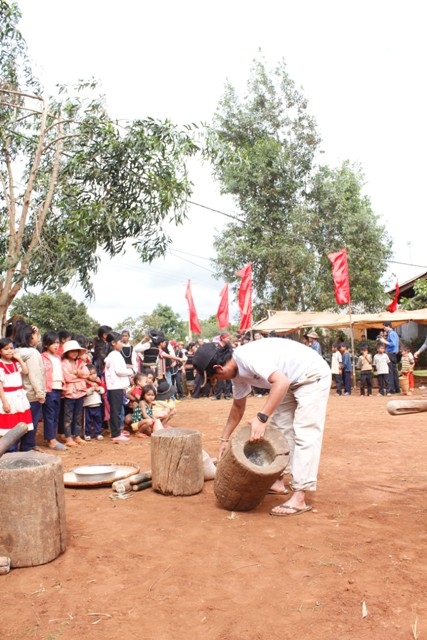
(32, 508)
(177, 462)
(248, 469)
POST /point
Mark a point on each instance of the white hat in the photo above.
(73, 345)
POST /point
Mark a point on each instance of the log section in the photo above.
(32, 508)
(398, 407)
(177, 462)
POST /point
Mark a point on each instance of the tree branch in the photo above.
(71, 135)
(11, 206)
(19, 106)
(31, 178)
(43, 210)
(23, 94)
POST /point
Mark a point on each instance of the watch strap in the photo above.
(262, 417)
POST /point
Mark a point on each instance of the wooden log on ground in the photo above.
(399, 407)
(12, 436)
(142, 485)
(140, 477)
(32, 508)
(177, 462)
(125, 485)
(248, 469)
(122, 486)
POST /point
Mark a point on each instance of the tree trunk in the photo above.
(177, 462)
(32, 508)
(248, 469)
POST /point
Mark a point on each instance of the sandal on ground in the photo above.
(292, 511)
(71, 443)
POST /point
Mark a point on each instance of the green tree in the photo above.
(291, 214)
(419, 300)
(163, 318)
(210, 328)
(339, 215)
(73, 182)
(59, 311)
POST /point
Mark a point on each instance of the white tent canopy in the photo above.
(290, 321)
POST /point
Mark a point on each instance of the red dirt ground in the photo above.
(158, 568)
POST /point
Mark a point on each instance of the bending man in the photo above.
(299, 381)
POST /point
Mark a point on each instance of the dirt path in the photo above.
(161, 568)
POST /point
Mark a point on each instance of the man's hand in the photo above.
(222, 449)
(257, 430)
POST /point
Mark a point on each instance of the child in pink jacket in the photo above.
(75, 374)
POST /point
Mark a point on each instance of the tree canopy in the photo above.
(54, 312)
(419, 300)
(73, 181)
(292, 213)
(163, 317)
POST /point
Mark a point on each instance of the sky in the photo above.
(361, 64)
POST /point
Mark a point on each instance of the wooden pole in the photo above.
(352, 347)
(12, 437)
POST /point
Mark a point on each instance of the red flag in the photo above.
(393, 305)
(222, 313)
(340, 276)
(194, 320)
(245, 297)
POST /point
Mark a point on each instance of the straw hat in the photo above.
(73, 345)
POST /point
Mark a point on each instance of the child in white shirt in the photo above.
(381, 362)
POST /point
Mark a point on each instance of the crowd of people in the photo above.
(384, 363)
(84, 389)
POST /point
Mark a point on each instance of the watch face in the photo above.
(262, 417)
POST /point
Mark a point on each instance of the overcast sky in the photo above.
(360, 64)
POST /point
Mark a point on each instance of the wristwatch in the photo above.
(262, 417)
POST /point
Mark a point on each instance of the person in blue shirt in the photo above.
(391, 342)
(346, 369)
(313, 342)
